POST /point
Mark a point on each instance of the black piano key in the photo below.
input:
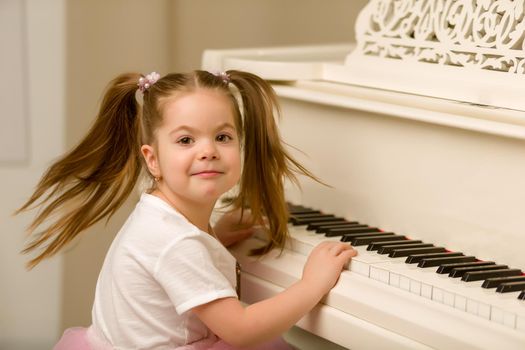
(522, 296)
(326, 228)
(376, 245)
(446, 268)
(334, 232)
(329, 228)
(297, 208)
(364, 240)
(398, 253)
(416, 258)
(310, 215)
(481, 275)
(337, 222)
(294, 217)
(363, 234)
(309, 212)
(389, 248)
(305, 220)
(496, 281)
(340, 231)
(460, 271)
(511, 287)
(303, 211)
(431, 262)
(350, 236)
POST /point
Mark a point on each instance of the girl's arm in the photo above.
(245, 326)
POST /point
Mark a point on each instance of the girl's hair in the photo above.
(94, 179)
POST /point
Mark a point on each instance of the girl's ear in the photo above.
(148, 152)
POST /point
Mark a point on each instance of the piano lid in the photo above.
(458, 50)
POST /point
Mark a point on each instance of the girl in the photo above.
(167, 281)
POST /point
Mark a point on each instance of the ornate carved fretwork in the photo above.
(482, 34)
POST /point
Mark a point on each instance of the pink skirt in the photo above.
(73, 338)
(216, 344)
(80, 338)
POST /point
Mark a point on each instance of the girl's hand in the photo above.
(325, 263)
(231, 227)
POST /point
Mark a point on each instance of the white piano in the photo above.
(419, 128)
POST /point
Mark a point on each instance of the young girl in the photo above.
(168, 281)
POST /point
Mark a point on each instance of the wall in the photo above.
(197, 25)
(29, 300)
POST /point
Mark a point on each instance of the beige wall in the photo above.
(29, 301)
(75, 48)
(196, 25)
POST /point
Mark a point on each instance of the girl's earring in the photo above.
(157, 179)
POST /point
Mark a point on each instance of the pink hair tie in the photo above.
(146, 82)
(225, 77)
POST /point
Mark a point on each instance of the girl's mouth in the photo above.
(208, 173)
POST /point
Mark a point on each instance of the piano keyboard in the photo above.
(484, 298)
(388, 246)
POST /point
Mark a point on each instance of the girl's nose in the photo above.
(208, 151)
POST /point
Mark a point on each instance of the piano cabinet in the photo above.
(454, 187)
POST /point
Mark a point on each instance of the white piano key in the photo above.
(437, 295)
(448, 298)
(379, 274)
(512, 309)
(497, 315)
(385, 276)
(394, 280)
(484, 310)
(460, 302)
(415, 287)
(472, 306)
(426, 290)
(520, 323)
(360, 268)
(404, 282)
(374, 273)
(509, 319)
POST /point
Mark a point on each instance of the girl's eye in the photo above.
(185, 140)
(224, 138)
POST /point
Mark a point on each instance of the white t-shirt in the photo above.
(157, 269)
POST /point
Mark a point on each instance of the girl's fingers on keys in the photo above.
(350, 252)
(340, 247)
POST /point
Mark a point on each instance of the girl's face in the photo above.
(197, 156)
